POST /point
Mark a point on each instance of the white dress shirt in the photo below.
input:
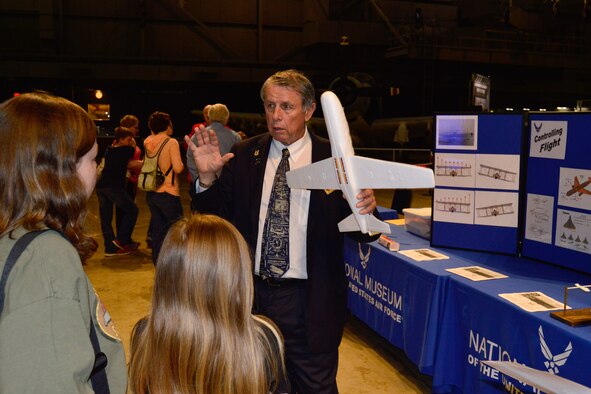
(300, 155)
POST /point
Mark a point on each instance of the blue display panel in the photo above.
(557, 225)
(478, 174)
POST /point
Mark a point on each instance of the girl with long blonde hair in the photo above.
(200, 336)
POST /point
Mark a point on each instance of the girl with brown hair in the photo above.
(55, 334)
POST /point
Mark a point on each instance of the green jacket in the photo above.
(50, 304)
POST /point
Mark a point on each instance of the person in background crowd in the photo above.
(205, 123)
(132, 123)
(165, 203)
(111, 191)
(218, 118)
(300, 281)
(51, 311)
(200, 336)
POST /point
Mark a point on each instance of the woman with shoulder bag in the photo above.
(55, 334)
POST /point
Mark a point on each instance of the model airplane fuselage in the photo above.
(351, 173)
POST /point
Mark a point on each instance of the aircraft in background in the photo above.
(351, 173)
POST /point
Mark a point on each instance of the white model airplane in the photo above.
(352, 173)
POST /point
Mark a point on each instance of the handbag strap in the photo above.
(98, 376)
(16, 251)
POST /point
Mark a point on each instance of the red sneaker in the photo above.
(118, 252)
(118, 244)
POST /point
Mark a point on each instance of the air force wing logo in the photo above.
(538, 127)
(553, 362)
(364, 257)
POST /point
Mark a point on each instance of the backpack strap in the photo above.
(168, 172)
(158, 157)
(159, 149)
(98, 376)
(16, 251)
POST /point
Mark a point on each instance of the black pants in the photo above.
(285, 305)
(165, 210)
(109, 197)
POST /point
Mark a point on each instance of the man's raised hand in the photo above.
(206, 153)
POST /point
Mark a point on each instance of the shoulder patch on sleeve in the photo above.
(105, 323)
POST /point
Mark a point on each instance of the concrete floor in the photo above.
(368, 363)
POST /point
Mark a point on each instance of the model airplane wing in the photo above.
(369, 173)
(318, 175)
(379, 174)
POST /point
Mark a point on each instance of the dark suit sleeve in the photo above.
(218, 198)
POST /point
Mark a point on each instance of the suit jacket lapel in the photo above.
(258, 155)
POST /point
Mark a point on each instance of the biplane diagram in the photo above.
(454, 170)
(497, 172)
(573, 231)
(538, 220)
(496, 208)
(457, 132)
(575, 188)
(455, 206)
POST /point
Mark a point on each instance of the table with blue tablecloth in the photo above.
(446, 323)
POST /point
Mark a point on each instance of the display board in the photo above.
(477, 181)
(558, 190)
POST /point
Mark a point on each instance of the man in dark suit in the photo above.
(307, 299)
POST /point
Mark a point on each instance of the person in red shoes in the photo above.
(110, 189)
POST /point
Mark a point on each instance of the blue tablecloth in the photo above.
(479, 325)
(446, 323)
(398, 297)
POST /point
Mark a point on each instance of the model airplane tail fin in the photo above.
(374, 225)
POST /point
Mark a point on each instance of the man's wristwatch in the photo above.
(206, 185)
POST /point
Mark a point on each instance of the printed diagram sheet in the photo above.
(497, 209)
(497, 172)
(573, 231)
(455, 206)
(476, 273)
(456, 170)
(423, 254)
(533, 301)
(539, 216)
(575, 188)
